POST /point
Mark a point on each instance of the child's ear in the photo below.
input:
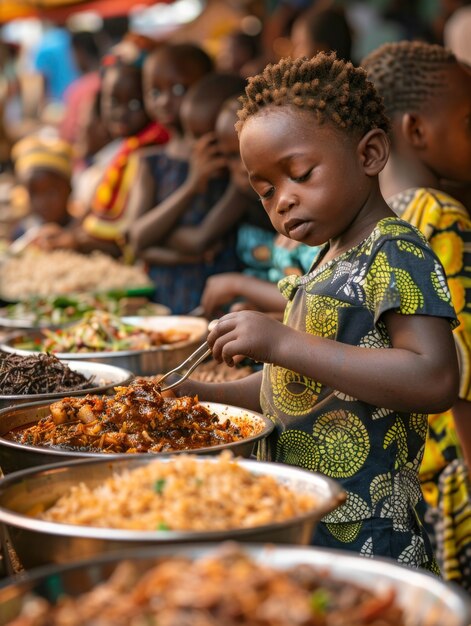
(373, 150)
(413, 130)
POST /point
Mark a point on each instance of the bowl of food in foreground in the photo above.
(137, 419)
(59, 513)
(230, 584)
(42, 377)
(144, 345)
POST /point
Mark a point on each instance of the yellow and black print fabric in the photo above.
(374, 452)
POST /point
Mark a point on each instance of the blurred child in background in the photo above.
(427, 95)
(43, 165)
(168, 73)
(322, 30)
(94, 149)
(188, 179)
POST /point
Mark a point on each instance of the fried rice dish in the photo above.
(183, 493)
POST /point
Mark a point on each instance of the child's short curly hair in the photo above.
(333, 89)
(408, 73)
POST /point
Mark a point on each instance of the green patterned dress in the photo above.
(375, 453)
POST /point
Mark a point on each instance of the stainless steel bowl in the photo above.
(16, 456)
(141, 362)
(38, 542)
(105, 378)
(425, 599)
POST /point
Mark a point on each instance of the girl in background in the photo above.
(186, 189)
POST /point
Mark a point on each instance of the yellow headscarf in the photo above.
(49, 153)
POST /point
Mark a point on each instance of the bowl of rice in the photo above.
(232, 585)
(64, 512)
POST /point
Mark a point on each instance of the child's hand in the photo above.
(219, 290)
(53, 237)
(247, 333)
(206, 162)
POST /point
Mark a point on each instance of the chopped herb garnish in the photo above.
(320, 601)
(162, 526)
(159, 485)
(199, 482)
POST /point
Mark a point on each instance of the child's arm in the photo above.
(165, 256)
(244, 392)
(418, 374)
(221, 289)
(142, 194)
(154, 226)
(219, 221)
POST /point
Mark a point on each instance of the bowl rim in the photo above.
(82, 356)
(268, 427)
(73, 364)
(336, 496)
(386, 570)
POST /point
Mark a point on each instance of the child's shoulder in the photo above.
(395, 228)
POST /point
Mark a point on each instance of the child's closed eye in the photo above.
(303, 177)
(266, 194)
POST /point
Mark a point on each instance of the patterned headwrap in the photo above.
(35, 152)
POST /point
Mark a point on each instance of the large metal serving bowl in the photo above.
(425, 599)
(39, 542)
(141, 362)
(105, 378)
(17, 456)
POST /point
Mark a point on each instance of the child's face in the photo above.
(122, 105)
(48, 195)
(229, 146)
(448, 124)
(309, 177)
(164, 86)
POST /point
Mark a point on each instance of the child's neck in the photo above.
(177, 147)
(405, 171)
(373, 210)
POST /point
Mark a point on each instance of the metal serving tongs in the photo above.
(190, 364)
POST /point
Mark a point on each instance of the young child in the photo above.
(94, 149)
(366, 348)
(427, 95)
(265, 257)
(168, 73)
(43, 165)
(186, 189)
